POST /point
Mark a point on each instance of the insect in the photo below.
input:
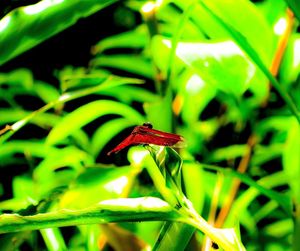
(146, 135)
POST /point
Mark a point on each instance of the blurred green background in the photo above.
(77, 76)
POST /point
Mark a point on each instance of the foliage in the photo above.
(223, 74)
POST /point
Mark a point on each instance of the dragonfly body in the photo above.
(146, 135)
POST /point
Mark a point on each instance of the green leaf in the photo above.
(291, 159)
(282, 199)
(241, 14)
(219, 64)
(128, 94)
(118, 210)
(96, 184)
(230, 152)
(193, 179)
(19, 77)
(32, 148)
(66, 157)
(290, 67)
(130, 63)
(25, 117)
(256, 58)
(93, 110)
(174, 236)
(135, 39)
(169, 164)
(45, 91)
(25, 27)
(107, 131)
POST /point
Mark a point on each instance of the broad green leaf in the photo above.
(256, 58)
(96, 184)
(220, 64)
(25, 27)
(93, 110)
(291, 159)
(196, 95)
(136, 64)
(241, 14)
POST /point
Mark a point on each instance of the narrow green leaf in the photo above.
(282, 199)
(25, 27)
(75, 120)
(131, 63)
(25, 117)
(136, 38)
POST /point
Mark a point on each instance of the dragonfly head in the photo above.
(148, 124)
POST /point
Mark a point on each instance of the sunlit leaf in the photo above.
(290, 67)
(25, 27)
(216, 63)
(118, 210)
(108, 182)
(91, 111)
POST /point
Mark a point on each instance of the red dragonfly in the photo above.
(146, 135)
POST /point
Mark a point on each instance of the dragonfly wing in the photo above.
(126, 142)
(145, 135)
